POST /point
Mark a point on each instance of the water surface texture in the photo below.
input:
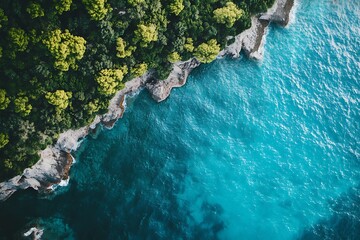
(245, 150)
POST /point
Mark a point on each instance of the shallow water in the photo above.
(245, 150)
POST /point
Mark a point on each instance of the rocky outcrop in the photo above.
(279, 13)
(52, 167)
(34, 233)
(250, 41)
(160, 90)
(55, 161)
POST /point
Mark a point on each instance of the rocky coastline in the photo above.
(55, 161)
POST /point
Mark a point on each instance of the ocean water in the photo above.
(245, 150)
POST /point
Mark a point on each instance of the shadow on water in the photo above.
(344, 223)
(118, 190)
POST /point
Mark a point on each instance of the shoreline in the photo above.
(55, 161)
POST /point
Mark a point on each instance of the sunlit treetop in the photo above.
(35, 10)
(110, 80)
(97, 9)
(174, 57)
(18, 39)
(207, 52)
(65, 48)
(22, 105)
(60, 99)
(4, 100)
(146, 34)
(3, 18)
(135, 2)
(122, 50)
(63, 6)
(4, 139)
(228, 15)
(139, 70)
(176, 6)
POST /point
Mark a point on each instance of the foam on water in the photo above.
(245, 150)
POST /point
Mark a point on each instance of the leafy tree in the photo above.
(3, 18)
(228, 15)
(62, 6)
(139, 70)
(122, 52)
(60, 99)
(176, 6)
(4, 139)
(174, 57)
(35, 10)
(4, 100)
(93, 106)
(1, 51)
(8, 164)
(146, 34)
(135, 2)
(18, 38)
(189, 45)
(110, 80)
(97, 9)
(207, 52)
(22, 105)
(65, 48)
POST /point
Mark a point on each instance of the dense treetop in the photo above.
(62, 60)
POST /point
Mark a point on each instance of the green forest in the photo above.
(61, 61)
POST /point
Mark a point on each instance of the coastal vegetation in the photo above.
(62, 60)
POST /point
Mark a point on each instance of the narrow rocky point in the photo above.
(250, 41)
(161, 89)
(55, 161)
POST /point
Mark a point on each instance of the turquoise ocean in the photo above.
(245, 150)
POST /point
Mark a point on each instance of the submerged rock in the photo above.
(34, 233)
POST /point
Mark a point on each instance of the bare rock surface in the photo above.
(252, 40)
(160, 90)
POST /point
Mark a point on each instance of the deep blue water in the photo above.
(245, 150)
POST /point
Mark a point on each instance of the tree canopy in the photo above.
(61, 61)
(174, 57)
(139, 69)
(4, 139)
(63, 6)
(189, 45)
(65, 48)
(177, 6)
(3, 17)
(22, 105)
(229, 14)
(146, 34)
(35, 10)
(97, 9)
(4, 100)
(60, 99)
(18, 39)
(135, 2)
(110, 80)
(122, 50)
(207, 52)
